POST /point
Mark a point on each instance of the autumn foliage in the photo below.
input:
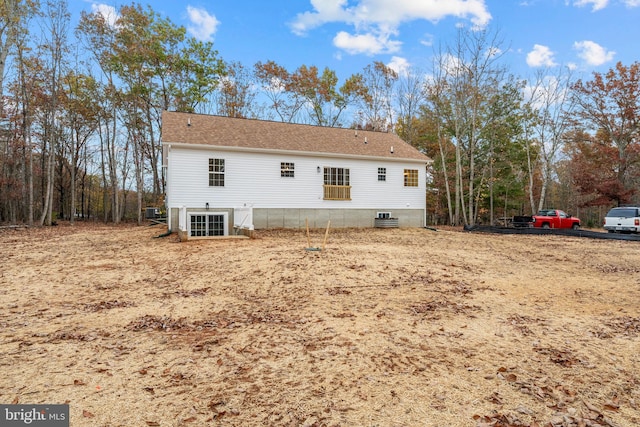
(80, 123)
(606, 161)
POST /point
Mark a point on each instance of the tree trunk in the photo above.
(105, 185)
(72, 189)
(446, 176)
(45, 218)
(138, 159)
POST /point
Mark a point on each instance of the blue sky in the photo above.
(347, 35)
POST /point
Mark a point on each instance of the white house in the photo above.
(226, 172)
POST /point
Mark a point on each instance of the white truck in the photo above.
(625, 219)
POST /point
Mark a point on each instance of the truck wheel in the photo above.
(545, 225)
(575, 226)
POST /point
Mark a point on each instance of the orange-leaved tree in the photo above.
(608, 109)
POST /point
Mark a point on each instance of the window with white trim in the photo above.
(336, 176)
(382, 174)
(336, 184)
(207, 224)
(216, 172)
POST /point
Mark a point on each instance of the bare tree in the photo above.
(437, 112)
(552, 104)
(410, 96)
(468, 78)
(375, 103)
(55, 30)
(80, 117)
(98, 36)
(15, 16)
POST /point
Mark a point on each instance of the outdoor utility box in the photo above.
(384, 220)
(152, 213)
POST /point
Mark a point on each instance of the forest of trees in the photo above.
(81, 109)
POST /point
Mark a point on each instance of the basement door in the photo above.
(207, 224)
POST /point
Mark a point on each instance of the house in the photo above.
(229, 173)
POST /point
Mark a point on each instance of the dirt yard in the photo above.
(384, 327)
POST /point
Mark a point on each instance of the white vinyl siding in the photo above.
(254, 179)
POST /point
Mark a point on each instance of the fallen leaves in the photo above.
(158, 323)
(385, 327)
(107, 305)
(522, 323)
(501, 420)
(569, 411)
(613, 404)
(629, 326)
(563, 358)
(184, 293)
(443, 305)
(591, 417)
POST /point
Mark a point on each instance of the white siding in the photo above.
(253, 180)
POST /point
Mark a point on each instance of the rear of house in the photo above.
(224, 173)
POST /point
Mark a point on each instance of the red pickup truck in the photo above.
(554, 218)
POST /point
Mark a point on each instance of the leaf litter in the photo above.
(384, 327)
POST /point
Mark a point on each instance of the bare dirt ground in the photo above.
(384, 327)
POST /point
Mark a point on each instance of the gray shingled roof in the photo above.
(221, 131)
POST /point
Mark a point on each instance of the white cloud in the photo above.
(632, 3)
(427, 40)
(597, 4)
(540, 56)
(375, 21)
(204, 25)
(325, 11)
(399, 65)
(109, 13)
(369, 44)
(452, 65)
(389, 12)
(593, 53)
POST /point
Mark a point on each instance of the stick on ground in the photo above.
(324, 242)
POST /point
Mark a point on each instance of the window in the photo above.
(336, 184)
(336, 176)
(624, 212)
(287, 170)
(382, 174)
(203, 225)
(410, 177)
(216, 172)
